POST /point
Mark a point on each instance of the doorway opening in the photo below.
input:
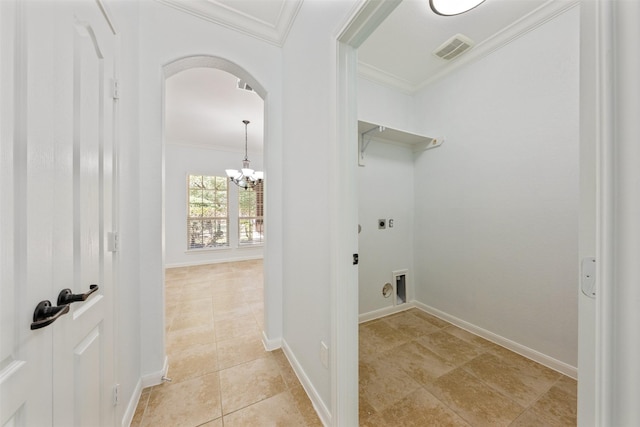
(214, 229)
(347, 69)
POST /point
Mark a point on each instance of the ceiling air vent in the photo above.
(453, 47)
(244, 85)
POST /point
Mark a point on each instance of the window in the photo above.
(207, 219)
(250, 218)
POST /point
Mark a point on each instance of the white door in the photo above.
(57, 169)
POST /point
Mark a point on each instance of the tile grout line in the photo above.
(482, 350)
(213, 317)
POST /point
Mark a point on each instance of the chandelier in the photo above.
(245, 177)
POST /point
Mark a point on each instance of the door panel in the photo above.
(87, 369)
(56, 192)
(26, 194)
(83, 341)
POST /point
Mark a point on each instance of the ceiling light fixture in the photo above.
(245, 177)
(453, 7)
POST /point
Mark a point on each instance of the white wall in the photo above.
(385, 106)
(381, 190)
(167, 35)
(183, 160)
(497, 205)
(309, 132)
(386, 191)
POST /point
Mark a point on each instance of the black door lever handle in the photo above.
(45, 314)
(67, 297)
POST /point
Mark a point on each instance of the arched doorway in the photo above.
(191, 159)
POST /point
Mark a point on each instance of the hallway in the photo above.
(415, 369)
(221, 374)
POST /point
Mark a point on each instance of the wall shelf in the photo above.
(371, 131)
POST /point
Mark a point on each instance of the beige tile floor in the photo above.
(415, 369)
(221, 374)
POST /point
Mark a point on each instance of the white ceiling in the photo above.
(269, 20)
(400, 52)
(205, 108)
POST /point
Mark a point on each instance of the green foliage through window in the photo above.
(251, 215)
(208, 218)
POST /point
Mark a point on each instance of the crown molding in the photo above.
(377, 75)
(212, 11)
(367, 15)
(529, 22)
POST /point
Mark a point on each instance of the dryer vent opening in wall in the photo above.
(401, 288)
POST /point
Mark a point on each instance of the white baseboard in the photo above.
(127, 417)
(529, 353)
(271, 344)
(145, 381)
(376, 314)
(320, 407)
(155, 378)
(212, 261)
